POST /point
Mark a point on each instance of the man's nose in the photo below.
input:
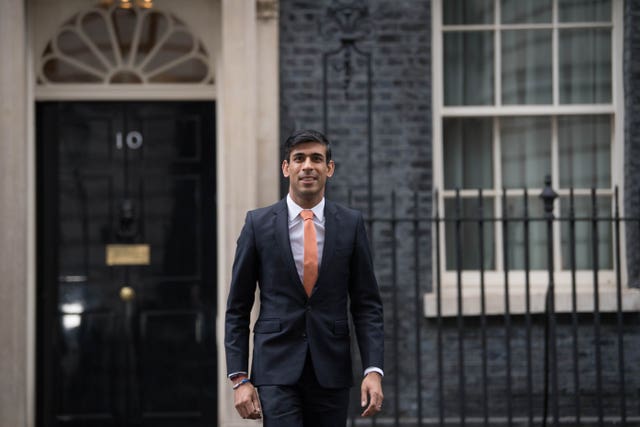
(307, 163)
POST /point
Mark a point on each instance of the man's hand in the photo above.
(247, 402)
(371, 393)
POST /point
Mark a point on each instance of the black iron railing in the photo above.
(574, 364)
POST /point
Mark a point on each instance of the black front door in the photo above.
(126, 264)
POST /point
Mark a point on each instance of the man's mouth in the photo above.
(308, 178)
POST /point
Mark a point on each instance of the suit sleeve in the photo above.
(244, 277)
(366, 304)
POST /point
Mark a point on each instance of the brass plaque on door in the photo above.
(134, 254)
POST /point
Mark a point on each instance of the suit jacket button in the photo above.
(304, 335)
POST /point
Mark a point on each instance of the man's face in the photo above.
(307, 169)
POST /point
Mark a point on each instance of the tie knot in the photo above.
(306, 214)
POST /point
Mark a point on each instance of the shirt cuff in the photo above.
(233, 374)
(373, 369)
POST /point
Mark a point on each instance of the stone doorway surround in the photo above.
(246, 97)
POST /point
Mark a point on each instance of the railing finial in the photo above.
(548, 196)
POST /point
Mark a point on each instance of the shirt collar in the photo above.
(294, 209)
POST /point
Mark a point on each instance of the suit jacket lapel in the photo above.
(281, 215)
(330, 232)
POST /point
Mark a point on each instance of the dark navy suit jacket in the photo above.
(290, 324)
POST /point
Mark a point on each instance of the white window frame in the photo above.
(494, 279)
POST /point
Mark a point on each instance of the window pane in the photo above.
(189, 71)
(154, 27)
(584, 146)
(468, 68)
(71, 43)
(59, 71)
(463, 237)
(537, 234)
(526, 151)
(177, 46)
(520, 11)
(526, 67)
(124, 24)
(583, 239)
(461, 12)
(584, 10)
(468, 160)
(585, 66)
(96, 29)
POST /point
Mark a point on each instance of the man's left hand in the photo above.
(371, 393)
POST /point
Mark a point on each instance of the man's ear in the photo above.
(285, 169)
(332, 168)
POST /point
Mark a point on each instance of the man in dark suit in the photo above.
(311, 260)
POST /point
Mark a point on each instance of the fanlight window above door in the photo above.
(111, 45)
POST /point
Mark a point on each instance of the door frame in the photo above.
(247, 121)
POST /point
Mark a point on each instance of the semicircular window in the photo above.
(109, 44)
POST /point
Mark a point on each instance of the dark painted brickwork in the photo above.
(497, 367)
(383, 119)
(396, 34)
(632, 133)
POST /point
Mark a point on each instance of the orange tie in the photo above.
(310, 270)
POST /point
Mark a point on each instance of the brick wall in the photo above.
(377, 113)
(368, 87)
(394, 88)
(632, 134)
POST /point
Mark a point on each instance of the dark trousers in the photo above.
(304, 404)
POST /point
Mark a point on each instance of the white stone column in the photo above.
(237, 159)
(13, 215)
(268, 103)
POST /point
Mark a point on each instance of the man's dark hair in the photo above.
(306, 135)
